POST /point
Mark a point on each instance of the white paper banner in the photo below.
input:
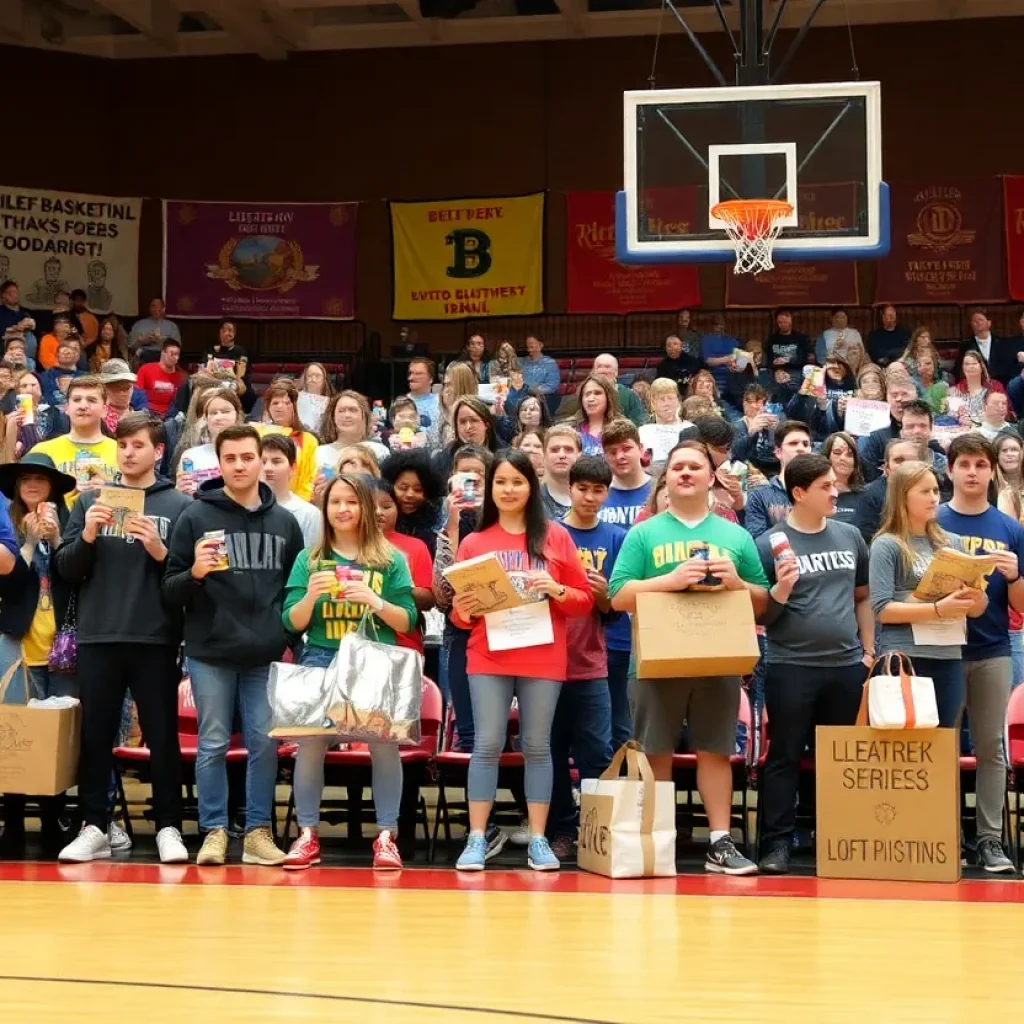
(58, 241)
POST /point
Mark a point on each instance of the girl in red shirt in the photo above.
(541, 557)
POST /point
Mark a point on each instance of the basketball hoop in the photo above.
(753, 225)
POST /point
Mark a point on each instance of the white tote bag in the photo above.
(628, 825)
(900, 701)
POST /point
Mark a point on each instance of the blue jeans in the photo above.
(454, 653)
(582, 725)
(492, 700)
(618, 680)
(1017, 657)
(216, 689)
(308, 783)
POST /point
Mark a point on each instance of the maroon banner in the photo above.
(597, 283)
(819, 283)
(260, 260)
(947, 243)
(1013, 191)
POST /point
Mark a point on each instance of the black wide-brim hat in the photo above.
(35, 462)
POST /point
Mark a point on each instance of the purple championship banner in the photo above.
(260, 260)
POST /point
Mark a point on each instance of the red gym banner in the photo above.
(822, 283)
(596, 283)
(947, 243)
(1013, 191)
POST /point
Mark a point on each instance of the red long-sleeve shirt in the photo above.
(547, 661)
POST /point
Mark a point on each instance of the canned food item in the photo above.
(781, 548)
(25, 406)
(465, 488)
(345, 574)
(222, 548)
(700, 549)
(48, 509)
(187, 466)
(87, 467)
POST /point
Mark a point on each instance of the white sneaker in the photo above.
(170, 847)
(521, 836)
(90, 844)
(120, 841)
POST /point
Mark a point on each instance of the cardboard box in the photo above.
(888, 804)
(708, 633)
(38, 749)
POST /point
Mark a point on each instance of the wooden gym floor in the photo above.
(144, 942)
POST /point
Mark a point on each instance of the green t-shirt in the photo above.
(333, 619)
(657, 545)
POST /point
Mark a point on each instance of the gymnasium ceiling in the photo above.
(274, 28)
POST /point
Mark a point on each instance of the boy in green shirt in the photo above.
(657, 556)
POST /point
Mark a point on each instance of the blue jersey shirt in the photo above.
(623, 506)
(599, 548)
(991, 530)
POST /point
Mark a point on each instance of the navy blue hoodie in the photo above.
(233, 617)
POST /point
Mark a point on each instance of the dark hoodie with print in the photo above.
(119, 582)
(233, 617)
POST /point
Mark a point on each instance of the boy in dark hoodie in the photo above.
(233, 631)
(127, 639)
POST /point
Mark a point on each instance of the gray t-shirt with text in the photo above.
(891, 580)
(818, 625)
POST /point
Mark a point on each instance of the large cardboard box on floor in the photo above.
(888, 803)
(694, 633)
(38, 749)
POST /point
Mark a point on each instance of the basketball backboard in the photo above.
(816, 146)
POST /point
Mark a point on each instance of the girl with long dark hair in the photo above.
(541, 559)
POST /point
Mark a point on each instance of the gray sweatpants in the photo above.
(988, 692)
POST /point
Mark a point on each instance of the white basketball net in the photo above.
(753, 226)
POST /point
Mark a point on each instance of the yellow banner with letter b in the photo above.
(468, 258)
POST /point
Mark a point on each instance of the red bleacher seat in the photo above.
(564, 364)
(1015, 757)
(295, 369)
(632, 362)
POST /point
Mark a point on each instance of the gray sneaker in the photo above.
(120, 841)
(993, 859)
(724, 859)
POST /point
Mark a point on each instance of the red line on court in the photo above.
(448, 880)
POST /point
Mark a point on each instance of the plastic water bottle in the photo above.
(380, 417)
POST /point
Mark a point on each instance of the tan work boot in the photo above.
(215, 847)
(260, 848)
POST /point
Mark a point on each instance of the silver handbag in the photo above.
(299, 698)
(376, 689)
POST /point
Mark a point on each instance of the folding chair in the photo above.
(1015, 758)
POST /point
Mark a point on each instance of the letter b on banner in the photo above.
(471, 257)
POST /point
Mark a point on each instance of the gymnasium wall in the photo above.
(441, 122)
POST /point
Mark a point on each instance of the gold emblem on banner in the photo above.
(940, 222)
(261, 263)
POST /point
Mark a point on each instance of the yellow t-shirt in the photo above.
(305, 462)
(63, 451)
(36, 643)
